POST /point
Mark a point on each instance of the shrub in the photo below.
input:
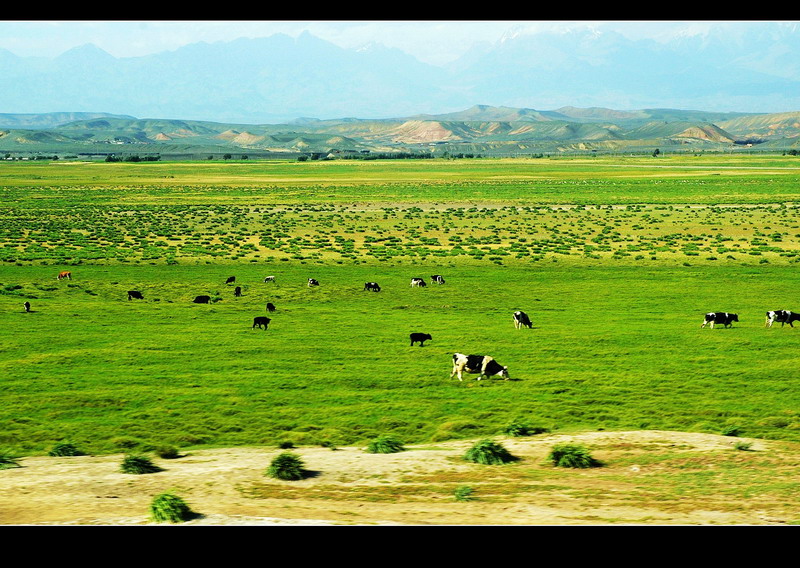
(489, 452)
(464, 493)
(287, 466)
(518, 428)
(170, 508)
(731, 431)
(286, 445)
(571, 455)
(138, 464)
(7, 460)
(743, 446)
(167, 452)
(385, 445)
(65, 449)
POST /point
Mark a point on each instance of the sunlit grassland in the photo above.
(616, 287)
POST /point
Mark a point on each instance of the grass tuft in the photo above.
(287, 466)
(571, 455)
(489, 452)
(385, 445)
(168, 507)
(138, 464)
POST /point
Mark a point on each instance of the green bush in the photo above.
(167, 452)
(731, 431)
(464, 493)
(62, 449)
(287, 466)
(489, 452)
(138, 464)
(170, 508)
(385, 445)
(743, 446)
(571, 455)
(8, 460)
(518, 428)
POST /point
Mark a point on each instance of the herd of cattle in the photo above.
(482, 365)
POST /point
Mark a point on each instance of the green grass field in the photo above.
(616, 282)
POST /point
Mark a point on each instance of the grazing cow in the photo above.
(313, 282)
(270, 307)
(725, 318)
(269, 279)
(521, 319)
(421, 337)
(437, 279)
(27, 306)
(418, 282)
(202, 299)
(482, 365)
(372, 286)
(66, 274)
(261, 321)
(230, 280)
(783, 316)
(237, 291)
(135, 294)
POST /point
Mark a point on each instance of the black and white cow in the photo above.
(202, 299)
(481, 365)
(313, 282)
(270, 307)
(135, 294)
(230, 280)
(437, 279)
(27, 306)
(782, 316)
(237, 291)
(521, 319)
(261, 321)
(420, 337)
(372, 286)
(269, 279)
(418, 282)
(725, 318)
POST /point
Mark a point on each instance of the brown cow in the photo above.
(66, 274)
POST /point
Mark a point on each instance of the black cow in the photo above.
(270, 307)
(27, 306)
(418, 282)
(135, 294)
(230, 280)
(202, 299)
(783, 316)
(481, 365)
(521, 319)
(437, 279)
(421, 337)
(313, 282)
(237, 291)
(724, 318)
(372, 286)
(261, 321)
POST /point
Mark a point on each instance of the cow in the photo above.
(27, 306)
(418, 282)
(269, 279)
(261, 321)
(372, 286)
(481, 365)
(420, 337)
(135, 294)
(725, 318)
(521, 319)
(237, 291)
(313, 282)
(270, 307)
(783, 316)
(202, 299)
(230, 280)
(66, 274)
(437, 279)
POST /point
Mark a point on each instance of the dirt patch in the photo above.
(415, 487)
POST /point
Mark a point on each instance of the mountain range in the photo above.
(279, 78)
(480, 129)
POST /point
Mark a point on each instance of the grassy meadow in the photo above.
(615, 259)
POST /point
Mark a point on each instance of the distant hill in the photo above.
(480, 129)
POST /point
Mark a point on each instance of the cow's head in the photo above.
(504, 373)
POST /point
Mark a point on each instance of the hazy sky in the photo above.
(435, 42)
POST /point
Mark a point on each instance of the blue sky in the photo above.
(436, 42)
